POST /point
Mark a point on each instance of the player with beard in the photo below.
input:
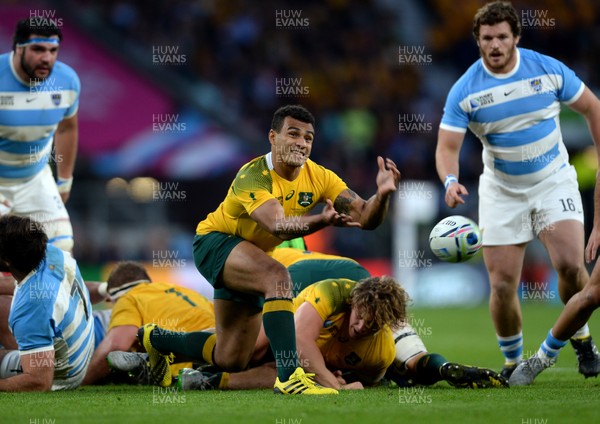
(511, 99)
(39, 98)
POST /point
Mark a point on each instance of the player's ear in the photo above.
(517, 39)
(272, 135)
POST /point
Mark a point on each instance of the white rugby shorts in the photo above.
(510, 214)
(38, 199)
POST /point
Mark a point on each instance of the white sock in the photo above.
(582, 333)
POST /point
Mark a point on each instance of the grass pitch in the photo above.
(559, 395)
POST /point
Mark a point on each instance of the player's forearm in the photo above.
(447, 152)
(26, 383)
(65, 142)
(446, 162)
(597, 202)
(312, 361)
(291, 227)
(374, 211)
(593, 122)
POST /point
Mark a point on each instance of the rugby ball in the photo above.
(455, 239)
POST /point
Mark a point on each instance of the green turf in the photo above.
(559, 395)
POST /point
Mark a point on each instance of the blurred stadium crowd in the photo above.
(364, 68)
(347, 57)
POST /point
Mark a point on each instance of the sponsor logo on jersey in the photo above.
(7, 100)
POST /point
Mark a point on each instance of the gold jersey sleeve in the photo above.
(256, 183)
(171, 307)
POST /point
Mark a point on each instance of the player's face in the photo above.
(360, 327)
(498, 47)
(293, 144)
(37, 60)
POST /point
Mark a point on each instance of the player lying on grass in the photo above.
(139, 301)
(340, 324)
(412, 363)
(51, 313)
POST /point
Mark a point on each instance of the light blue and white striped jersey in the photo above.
(29, 116)
(51, 309)
(515, 115)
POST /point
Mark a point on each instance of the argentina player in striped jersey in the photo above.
(51, 313)
(511, 99)
(39, 99)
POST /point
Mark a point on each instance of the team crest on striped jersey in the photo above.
(305, 198)
(56, 97)
(536, 84)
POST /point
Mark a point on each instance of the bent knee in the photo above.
(503, 286)
(232, 364)
(569, 269)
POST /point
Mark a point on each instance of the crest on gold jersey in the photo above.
(305, 199)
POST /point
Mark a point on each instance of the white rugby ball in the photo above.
(455, 239)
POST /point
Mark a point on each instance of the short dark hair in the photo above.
(126, 272)
(495, 13)
(35, 25)
(23, 243)
(294, 111)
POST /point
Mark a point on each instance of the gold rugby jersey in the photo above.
(257, 182)
(171, 307)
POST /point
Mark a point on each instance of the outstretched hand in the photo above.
(333, 217)
(454, 194)
(388, 177)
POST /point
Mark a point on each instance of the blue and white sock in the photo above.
(512, 348)
(551, 347)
